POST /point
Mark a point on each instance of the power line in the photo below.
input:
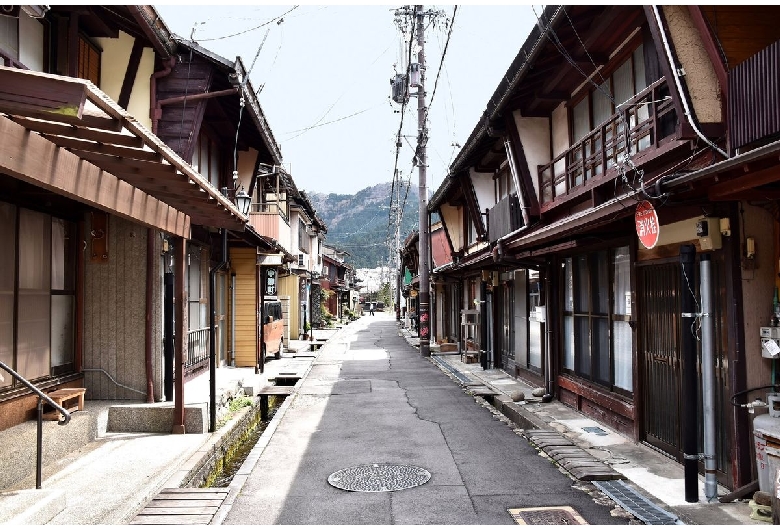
(247, 30)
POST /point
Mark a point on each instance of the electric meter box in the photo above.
(770, 332)
(770, 342)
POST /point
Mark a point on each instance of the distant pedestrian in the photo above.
(371, 308)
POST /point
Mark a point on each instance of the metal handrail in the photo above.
(65, 418)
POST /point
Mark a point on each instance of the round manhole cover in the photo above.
(379, 477)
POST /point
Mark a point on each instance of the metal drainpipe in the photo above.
(212, 335)
(150, 278)
(708, 380)
(153, 107)
(689, 381)
(678, 83)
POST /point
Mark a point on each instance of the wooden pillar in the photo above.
(180, 305)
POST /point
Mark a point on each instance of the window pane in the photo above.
(7, 275)
(63, 263)
(602, 104)
(582, 344)
(600, 288)
(624, 363)
(581, 304)
(9, 36)
(624, 84)
(34, 250)
(622, 281)
(8, 244)
(601, 348)
(568, 342)
(6, 335)
(34, 328)
(581, 125)
(640, 82)
(62, 324)
(535, 344)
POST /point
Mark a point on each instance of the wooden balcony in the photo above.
(754, 98)
(643, 122)
(269, 221)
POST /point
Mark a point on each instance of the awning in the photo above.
(85, 142)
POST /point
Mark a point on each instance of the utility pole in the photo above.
(423, 302)
(417, 72)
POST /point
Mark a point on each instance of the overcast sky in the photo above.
(325, 76)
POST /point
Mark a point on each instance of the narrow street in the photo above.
(370, 398)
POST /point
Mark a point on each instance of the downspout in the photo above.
(154, 109)
(678, 84)
(212, 334)
(549, 371)
(150, 278)
(708, 380)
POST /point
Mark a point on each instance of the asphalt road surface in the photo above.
(372, 414)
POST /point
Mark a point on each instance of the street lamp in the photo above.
(243, 201)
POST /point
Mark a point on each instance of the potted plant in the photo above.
(306, 329)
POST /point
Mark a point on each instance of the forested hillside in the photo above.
(360, 223)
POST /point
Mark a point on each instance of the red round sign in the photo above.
(646, 224)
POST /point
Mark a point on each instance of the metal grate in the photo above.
(598, 431)
(379, 477)
(555, 515)
(631, 501)
(447, 366)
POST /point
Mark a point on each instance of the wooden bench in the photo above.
(271, 391)
(62, 395)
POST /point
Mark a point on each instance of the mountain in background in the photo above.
(360, 223)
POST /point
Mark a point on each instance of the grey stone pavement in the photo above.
(367, 397)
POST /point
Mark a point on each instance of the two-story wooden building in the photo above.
(605, 108)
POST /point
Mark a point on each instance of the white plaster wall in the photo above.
(700, 77)
(535, 137)
(483, 189)
(113, 64)
(454, 222)
(30, 42)
(246, 166)
(140, 97)
(560, 130)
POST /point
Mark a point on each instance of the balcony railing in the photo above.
(197, 347)
(754, 98)
(642, 123)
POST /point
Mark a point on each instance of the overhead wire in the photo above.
(247, 30)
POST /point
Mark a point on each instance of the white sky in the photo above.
(325, 72)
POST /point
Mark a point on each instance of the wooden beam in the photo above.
(106, 149)
(748, 182)
(130, 74)
(30, 158)
(120, 166)
(37, 93)
(106, 137)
